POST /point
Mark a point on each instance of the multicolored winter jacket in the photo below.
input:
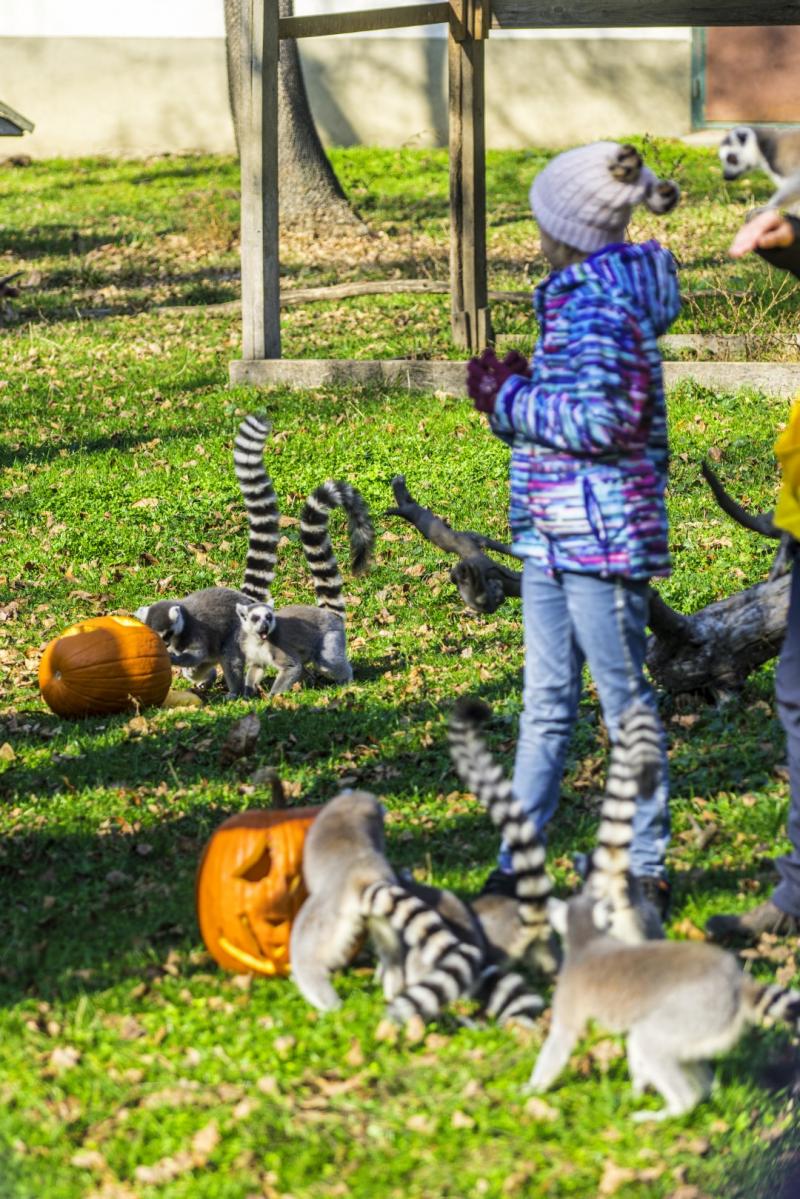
(588, 430)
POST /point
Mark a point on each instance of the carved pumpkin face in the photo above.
(102, 665)
(250, 887)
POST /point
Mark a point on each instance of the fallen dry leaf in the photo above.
(421, 1123)
(539, 1110)
(182, 699)
(241, 739)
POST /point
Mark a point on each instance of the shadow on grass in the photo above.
(92, 897)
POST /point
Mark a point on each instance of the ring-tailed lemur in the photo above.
(679, 1002)
(430, 946)
(353, 889)
(288, 638)
(775, 151)
(201, 631)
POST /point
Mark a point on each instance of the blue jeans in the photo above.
(570, 619)
(787, 693)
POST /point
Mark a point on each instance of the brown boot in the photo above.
(766, 918)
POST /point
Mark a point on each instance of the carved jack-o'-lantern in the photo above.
(250, 887)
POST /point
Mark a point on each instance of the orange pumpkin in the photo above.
(250, 887)
(105, 664)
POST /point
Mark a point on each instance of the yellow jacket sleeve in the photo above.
(787, 450)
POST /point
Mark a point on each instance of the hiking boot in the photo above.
(499, 882)
(657, 891)
(766, 918)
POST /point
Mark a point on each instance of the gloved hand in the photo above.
(486, 374)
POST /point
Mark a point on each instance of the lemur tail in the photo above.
(485, 778)
(317, 543)
(765, 1004)
(455, 966)
(634, 770)
(507, 997)
(261, 504)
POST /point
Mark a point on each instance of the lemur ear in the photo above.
(176, 618)
(141, 613)
(557, 915)
(241, 611)
(627, 164)
(662, 196)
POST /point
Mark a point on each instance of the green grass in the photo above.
(129, 1064)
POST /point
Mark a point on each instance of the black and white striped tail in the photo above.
(454, 965)
(261, 504)
(634, 770)
(485, 778)
(507, 997)
(316, 540)
(773, 1002)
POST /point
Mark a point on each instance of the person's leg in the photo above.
(609, 617)
(553, 664)
(780, 914)
(787, 692)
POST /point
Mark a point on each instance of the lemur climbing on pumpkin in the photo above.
(240, 630)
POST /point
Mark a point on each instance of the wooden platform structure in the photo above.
(469, 23)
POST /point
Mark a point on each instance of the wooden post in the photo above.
(261, 329)
(469, 27)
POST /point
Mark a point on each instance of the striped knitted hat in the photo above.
(584, 197)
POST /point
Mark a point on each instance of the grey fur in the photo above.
(287, 639)
(201, 632)
(354, 890)
(680, 1003)
(775, 151)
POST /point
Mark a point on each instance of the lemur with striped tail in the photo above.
(286, 639)
(679, 1002)
(201, 631)
(353, 890)
(430, 946)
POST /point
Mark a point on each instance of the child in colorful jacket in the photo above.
(587, 427)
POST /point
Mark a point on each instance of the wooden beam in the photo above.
(261, 329)
(567, 14)
(328, 24)
(449, 378)
(465, 57)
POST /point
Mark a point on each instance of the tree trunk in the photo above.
(310, 193)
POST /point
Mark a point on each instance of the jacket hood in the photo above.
(643, 276)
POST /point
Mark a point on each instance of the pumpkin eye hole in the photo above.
(259, 869)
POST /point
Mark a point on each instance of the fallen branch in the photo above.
(713, 650)
(345, 291)
(482, 583)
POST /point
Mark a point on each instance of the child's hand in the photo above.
(766, 231)
(486, 375)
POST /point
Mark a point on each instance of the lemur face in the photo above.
(257, 619)
(739, 152)
(163, 618)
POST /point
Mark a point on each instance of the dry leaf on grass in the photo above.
(241, 739)
(203, 1144)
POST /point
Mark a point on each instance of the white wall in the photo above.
(111, 77)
